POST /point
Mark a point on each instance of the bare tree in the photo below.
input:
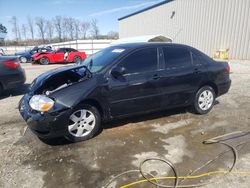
(41, 23)
(64, 28)
(113, 35)
(71, 27)
(15, 28)
(31, 26)
(58, 26)
(19, 34)
(49, 30)
(24, 31)
(94, 29)
(84, 28)
(77, 28)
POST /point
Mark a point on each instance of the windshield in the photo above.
(101, 59)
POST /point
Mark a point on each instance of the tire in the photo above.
(23, 59)
(204, 100)
(84, 123)
(77, 59)
(44, 61)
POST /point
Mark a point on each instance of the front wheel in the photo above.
(44, 61)
(204, 100)
(83, 123)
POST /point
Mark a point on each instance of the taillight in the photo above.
(228, 69)
(11, 64)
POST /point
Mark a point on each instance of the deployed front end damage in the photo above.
(47, 106)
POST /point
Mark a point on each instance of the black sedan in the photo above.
(119, 81)
(11, 73)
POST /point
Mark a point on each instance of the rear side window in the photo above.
(143, 60)
(177, 57)
(61, 50)
(200, 58)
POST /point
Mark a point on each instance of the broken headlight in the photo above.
(41, 103)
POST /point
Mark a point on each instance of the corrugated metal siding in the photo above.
(205, 24)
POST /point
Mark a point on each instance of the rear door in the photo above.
(179, 79)
(136, 90)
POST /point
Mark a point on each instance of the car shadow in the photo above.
(123, 121)
(15, 92)
(145, 117)
(120, 122)
(56, 141)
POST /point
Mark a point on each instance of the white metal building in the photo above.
(208, 25)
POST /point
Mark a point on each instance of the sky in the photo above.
(105, 11)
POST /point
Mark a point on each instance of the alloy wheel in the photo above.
(205, 100)
(82, 122)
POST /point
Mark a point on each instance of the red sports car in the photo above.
(61, 55)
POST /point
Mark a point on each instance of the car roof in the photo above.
(148, 44)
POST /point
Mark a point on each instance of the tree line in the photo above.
(57, 29)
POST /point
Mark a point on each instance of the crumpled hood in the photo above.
(57, 77)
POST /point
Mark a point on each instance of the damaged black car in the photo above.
(119, 81)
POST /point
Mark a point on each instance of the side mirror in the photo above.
(118, 71)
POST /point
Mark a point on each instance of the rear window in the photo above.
(177, 56)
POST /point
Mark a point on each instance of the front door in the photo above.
(136, 90)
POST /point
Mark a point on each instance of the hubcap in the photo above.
(205, 100)
(23, 59)
(82, 122)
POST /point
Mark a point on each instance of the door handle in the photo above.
(197, 71)
(156, 77)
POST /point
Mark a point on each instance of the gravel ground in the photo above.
(176, 135)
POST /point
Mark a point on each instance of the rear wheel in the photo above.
(77, 59)
(83, 123)
(204, 100)
(23, 60)
(44, 61)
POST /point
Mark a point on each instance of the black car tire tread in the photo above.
(94, 131)
(44, 63)
(196, 107)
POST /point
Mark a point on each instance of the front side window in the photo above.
(176, 57)
(144, 60)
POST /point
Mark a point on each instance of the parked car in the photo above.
(119, 81)
(1, 52)
(26, 57)
(11, 73)
(61, 55)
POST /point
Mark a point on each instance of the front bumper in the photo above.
(44, 125)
